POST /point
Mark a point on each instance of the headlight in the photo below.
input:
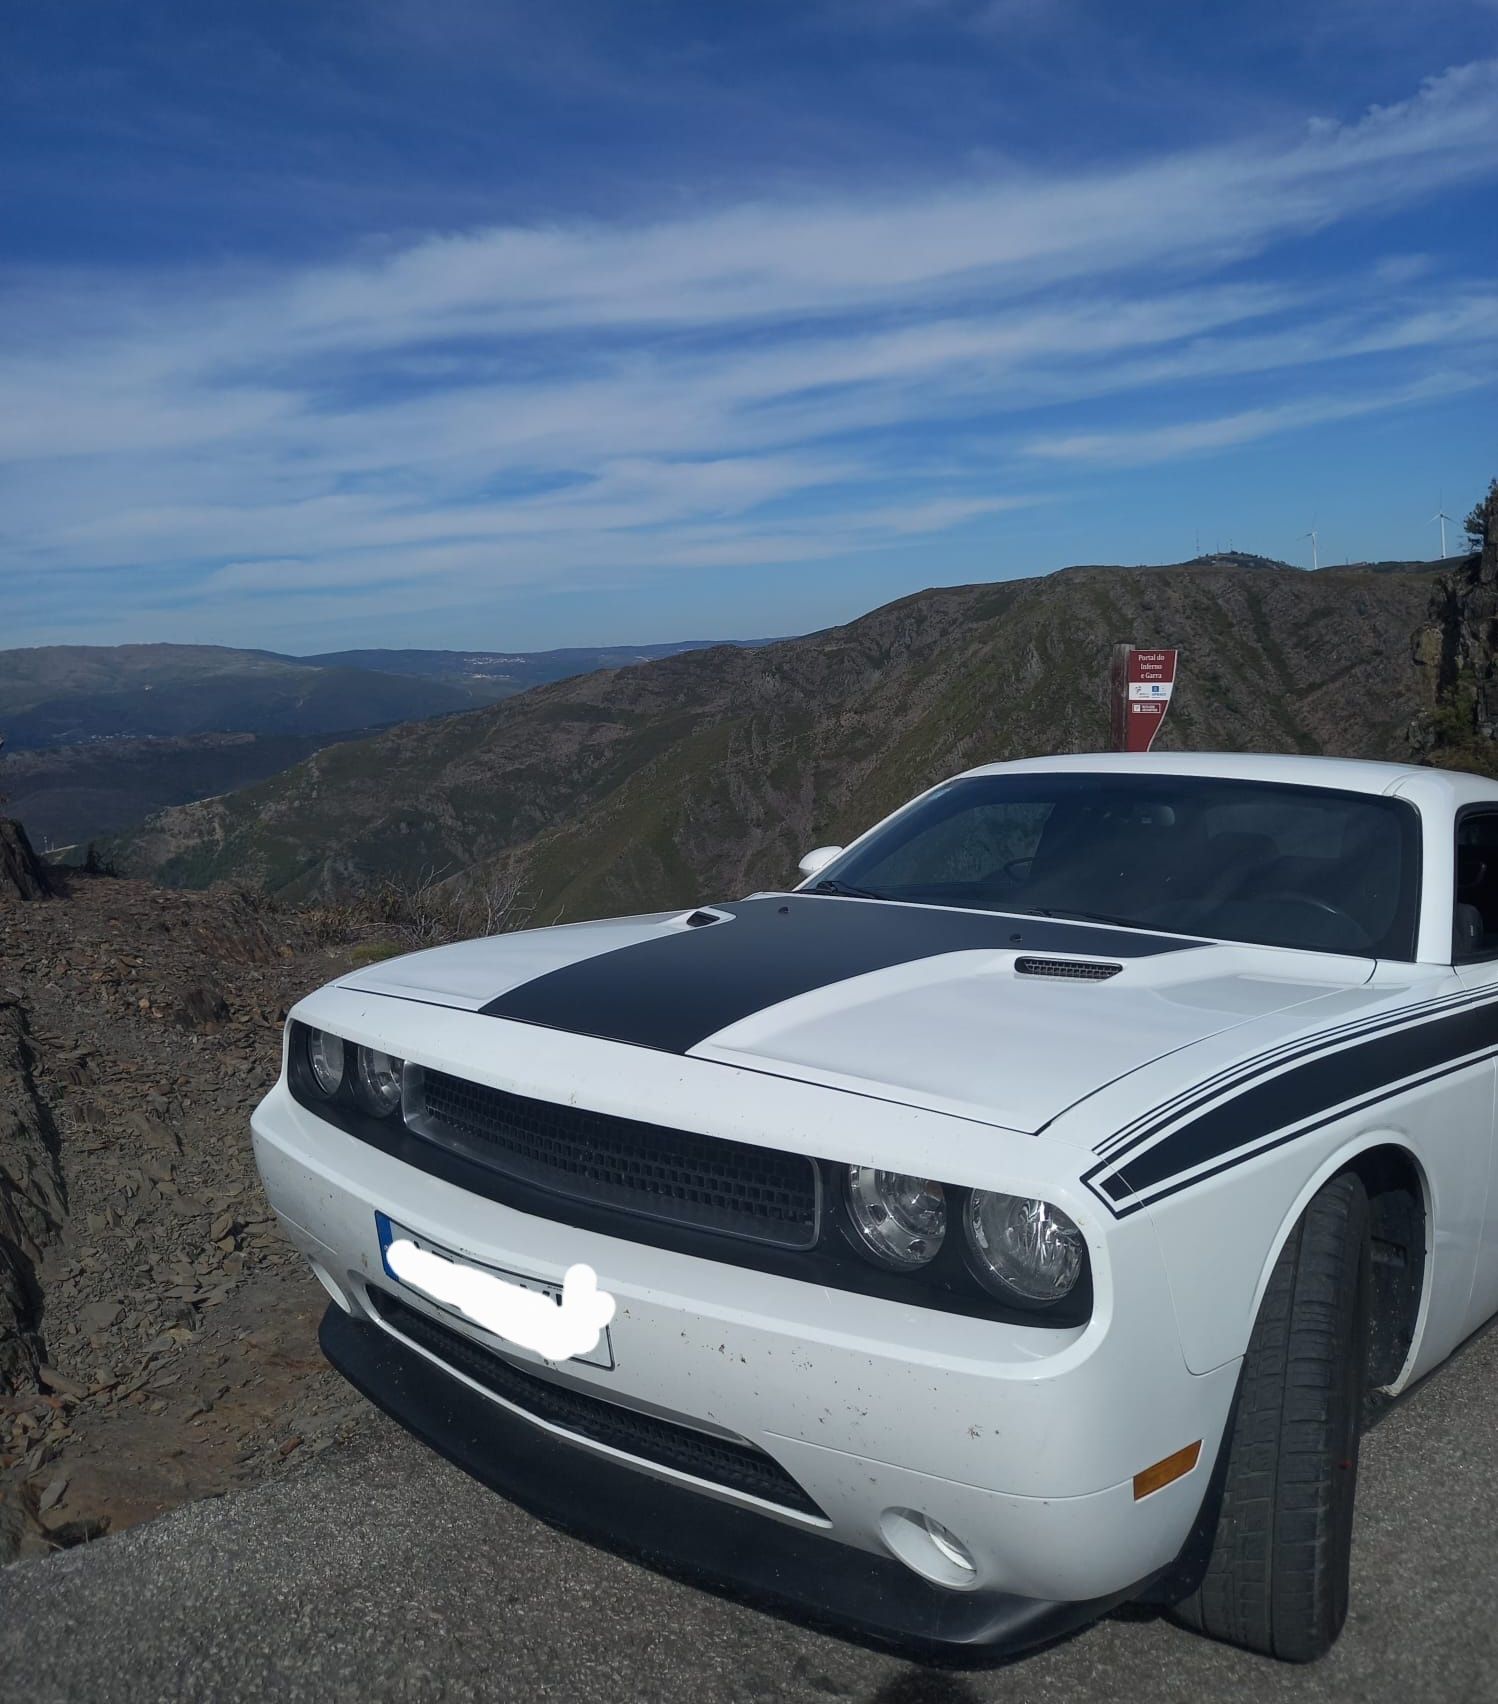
(1022, 1247)
(325, 1056)
(901, 1220)
(379, 1080)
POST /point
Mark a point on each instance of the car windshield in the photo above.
(1286, 866)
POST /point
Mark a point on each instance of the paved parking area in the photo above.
(381, 1573)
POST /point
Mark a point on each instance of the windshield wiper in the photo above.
(1070, 916)
(845, 890)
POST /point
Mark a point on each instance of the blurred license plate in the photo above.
(389, 1232)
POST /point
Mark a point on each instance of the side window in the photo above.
(1475, 935)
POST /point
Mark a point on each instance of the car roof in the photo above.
(1431, 788)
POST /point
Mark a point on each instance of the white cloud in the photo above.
(513, 406)
(770, 261)
(1136, 447)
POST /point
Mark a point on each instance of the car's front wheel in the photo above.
(1277, 1577)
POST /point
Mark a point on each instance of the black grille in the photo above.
(735, 1466)
(717, 1185)
(1073, 970)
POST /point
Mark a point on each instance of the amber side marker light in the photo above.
(1173, 1467)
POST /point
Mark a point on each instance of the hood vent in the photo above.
(1067, 970)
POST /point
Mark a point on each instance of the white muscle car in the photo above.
(1023, 1215)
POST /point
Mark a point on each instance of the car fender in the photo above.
(1345, 1158)
(1221, 1236)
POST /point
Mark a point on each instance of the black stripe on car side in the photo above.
(1334, 1084)
(1243, 1071)
(684, 985)
(1279, 1141)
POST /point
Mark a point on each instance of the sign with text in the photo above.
(1143, 682)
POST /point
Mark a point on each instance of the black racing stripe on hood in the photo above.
(677, 989)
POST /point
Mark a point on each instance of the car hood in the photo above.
(1007, 1019)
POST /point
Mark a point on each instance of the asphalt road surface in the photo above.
(381, 1573)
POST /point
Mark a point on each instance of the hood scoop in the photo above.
(1066, 970)
(703, 916)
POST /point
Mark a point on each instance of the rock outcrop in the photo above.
(1458, 653)
(31, 1203)
(21, 873)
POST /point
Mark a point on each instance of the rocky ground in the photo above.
(157, 1337)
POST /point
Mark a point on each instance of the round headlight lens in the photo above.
(900, 1220)
(1024, 1247)
(379, 1076)
(325, 1056)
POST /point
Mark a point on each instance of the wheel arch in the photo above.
(1230, 1232)
(1400, 1215)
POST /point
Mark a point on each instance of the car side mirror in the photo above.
(819, 859)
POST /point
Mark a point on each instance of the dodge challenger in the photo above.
(1024, 1214)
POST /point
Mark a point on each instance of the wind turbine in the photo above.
(1315, 559)
(1441, 516)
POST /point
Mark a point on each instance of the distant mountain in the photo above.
(708, 773)
(69, 795)
(100, 736)
(1246, 559)
(57, 695)
(490, 675)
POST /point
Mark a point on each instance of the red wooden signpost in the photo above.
(1143, 682)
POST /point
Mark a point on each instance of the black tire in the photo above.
(1276, 1580)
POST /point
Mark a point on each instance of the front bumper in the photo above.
(728, 1550)
(1019, 1440)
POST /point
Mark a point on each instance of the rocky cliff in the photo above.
(21, 872)
(1457, 652)
(157, 1335)
(31, 1199)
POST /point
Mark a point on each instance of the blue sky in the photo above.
(467, 323)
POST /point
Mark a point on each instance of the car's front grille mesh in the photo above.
(717, 1461)
(676, 1175)
(1071, 970)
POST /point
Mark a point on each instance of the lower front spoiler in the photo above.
(699, 1539)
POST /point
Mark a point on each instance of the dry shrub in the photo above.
(428, 910)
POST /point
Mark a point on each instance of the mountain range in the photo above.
(706, 774)
(101, 736)
(491, 675)
(53, 695)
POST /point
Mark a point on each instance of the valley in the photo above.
(100, 737)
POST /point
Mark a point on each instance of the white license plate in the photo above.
(389, 1231)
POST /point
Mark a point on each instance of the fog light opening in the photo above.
(928, 1548)
(953, 1549)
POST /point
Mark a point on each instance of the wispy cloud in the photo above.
(1135, 447)
(773, 381)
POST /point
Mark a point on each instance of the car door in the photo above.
(1475, 954)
